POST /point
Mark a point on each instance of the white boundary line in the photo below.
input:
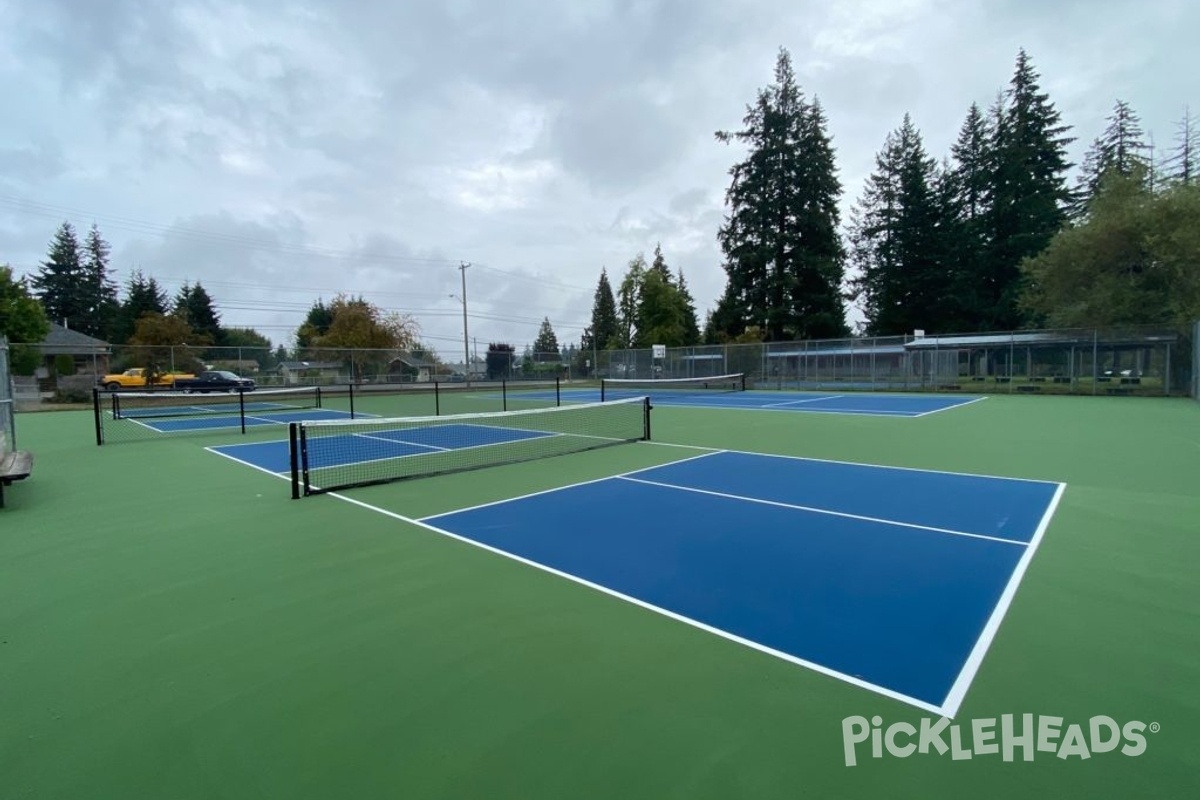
(562, 488)
(815, 667)
(854, 463)
(958, 690)
(213, 449)
(825, 511)
(800, 402)
(806, 410)
(948, 408)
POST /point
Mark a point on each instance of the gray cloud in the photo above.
(369, 147)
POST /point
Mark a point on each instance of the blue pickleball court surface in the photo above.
(378, 445)
(892, 579)
(863, 404)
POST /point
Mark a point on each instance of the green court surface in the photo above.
(172, 625)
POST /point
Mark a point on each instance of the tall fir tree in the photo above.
(142, 296)
(60, 282)
(195, 305)
(629, 301)
(545, 346)
(659, 264)
(966, 192)
(1182, 163)
(1029, 198)
(783, 256)
(897, 239)
(1120, 149)
(605, 327)
(99, 291)
(660, 317)
(316, 324)
(691, 327)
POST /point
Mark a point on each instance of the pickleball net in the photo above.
(667, 388)
(123, 415)
(333, 455)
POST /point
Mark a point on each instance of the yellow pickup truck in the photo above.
(136, 379)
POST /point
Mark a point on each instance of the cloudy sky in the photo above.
(278, 152)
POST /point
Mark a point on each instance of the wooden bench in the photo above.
(1029, 388)
(14, 466)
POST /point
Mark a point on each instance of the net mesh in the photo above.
(666, 388)
(332, 455)
(124, 416)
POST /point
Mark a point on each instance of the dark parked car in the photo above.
(215, 381)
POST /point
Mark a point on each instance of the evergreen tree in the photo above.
(98, 292)
(629, 301)
(896, 239)
(499, 360)
(725, 322)
(315, 325)
(545, 346)
(691, 328)
(783, 255)
(1119, 149)
(605, 328)
(1182, 163)
(195, 305)
(1029, 198)
(965, 194)
(1131, 262)
(60, 282)
(660, 312)
(250, 344)
(142, 296)
(659, 264)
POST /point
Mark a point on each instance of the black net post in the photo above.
(351, 401)
(242, 406)
(602, 390)
(96, 415)
(504, 395)
(557, 391)
(293, 437)
(437, 400)
(646, 423)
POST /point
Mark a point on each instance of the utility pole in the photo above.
(466, 340)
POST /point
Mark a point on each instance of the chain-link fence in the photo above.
(8, 427)
(1195, 343)
(1140, 361)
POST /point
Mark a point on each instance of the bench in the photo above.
(1029, 388)
(14, 466)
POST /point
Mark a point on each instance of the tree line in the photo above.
(975, 242)
(74, 288)
(992, 236)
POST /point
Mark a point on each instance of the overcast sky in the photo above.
(278, 152)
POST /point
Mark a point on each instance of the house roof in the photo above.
(409, 360)
(298, 365)
(60, 341)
